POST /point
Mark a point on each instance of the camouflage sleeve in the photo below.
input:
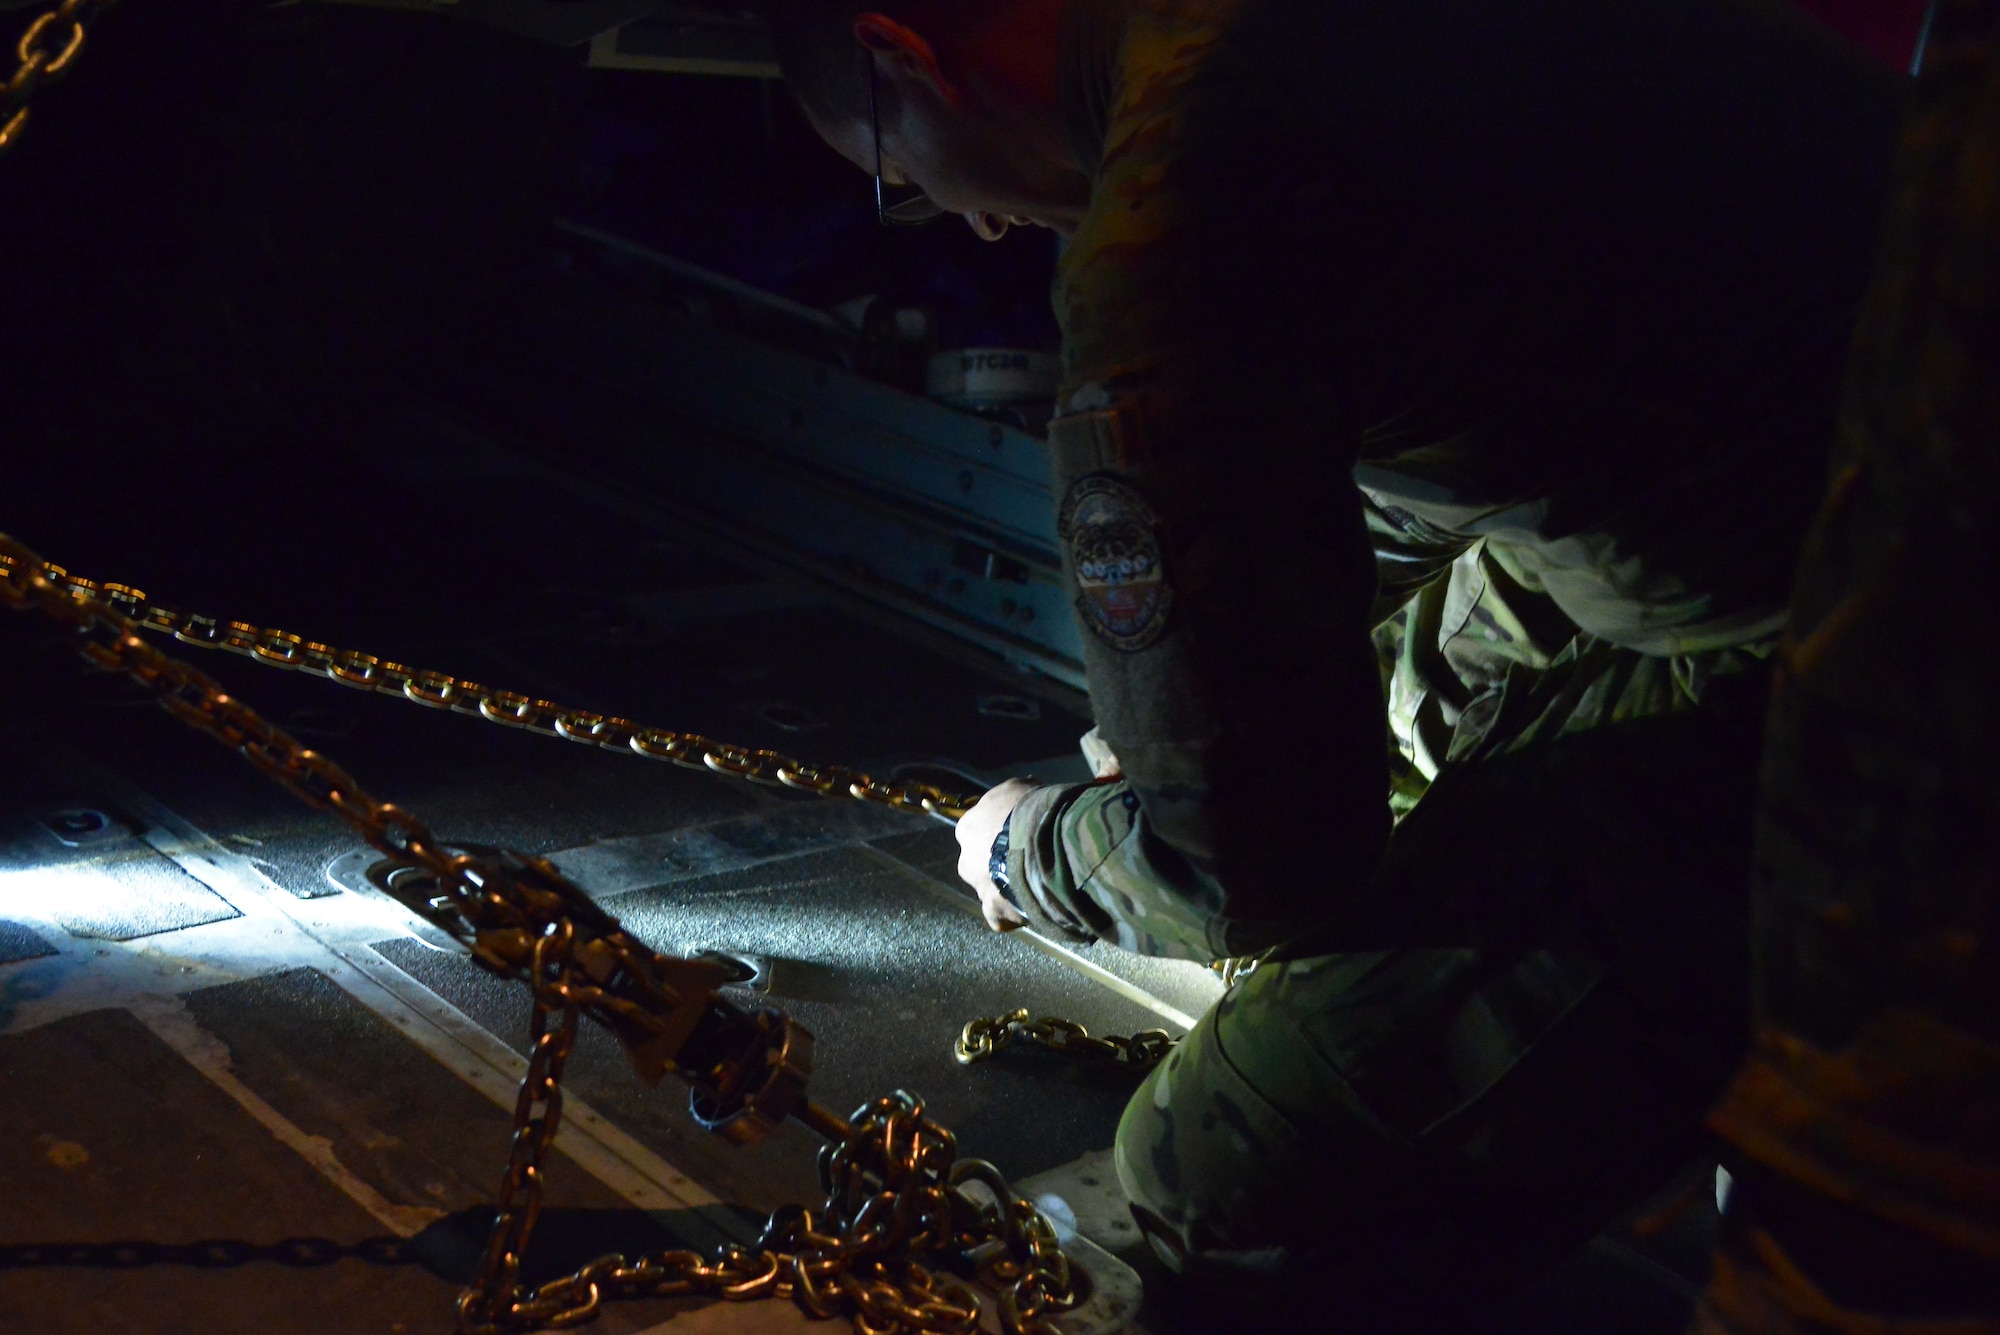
(1410, 555)
(1212, 537)
(1082, 872)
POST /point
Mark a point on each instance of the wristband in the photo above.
(996, 864)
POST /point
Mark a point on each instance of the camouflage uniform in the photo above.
(1487, 307)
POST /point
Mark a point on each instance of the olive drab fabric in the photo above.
(1448, 387)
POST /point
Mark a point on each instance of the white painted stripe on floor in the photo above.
(493, 1068)
(1097, 973)
(1123, 987)
(171, 1023)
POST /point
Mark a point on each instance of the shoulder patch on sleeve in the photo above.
(1113, 537)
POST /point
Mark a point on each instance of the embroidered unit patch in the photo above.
(1122, 592)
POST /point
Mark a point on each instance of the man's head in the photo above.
(964, 94)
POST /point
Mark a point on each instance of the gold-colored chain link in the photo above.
(894, 1184)
(895, 1208)
(1141, 1052)
(45, 53)
(350, 667)
(1135, 1052)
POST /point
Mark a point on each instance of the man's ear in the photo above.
(908, 54)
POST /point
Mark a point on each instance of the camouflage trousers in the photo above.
(1517, 1032)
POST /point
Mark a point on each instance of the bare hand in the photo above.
(977, 830)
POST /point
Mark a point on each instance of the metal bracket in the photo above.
(750, 972)
(78, 827)
(748, 1092)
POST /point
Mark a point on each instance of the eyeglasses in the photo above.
(912, 207)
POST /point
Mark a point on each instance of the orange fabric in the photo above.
(1892, 1125)
(1767, 1294)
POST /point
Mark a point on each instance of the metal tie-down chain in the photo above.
(895, 1203)
(350, 667)
(894, 1196)
(1136, 1052)
(45, 53)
